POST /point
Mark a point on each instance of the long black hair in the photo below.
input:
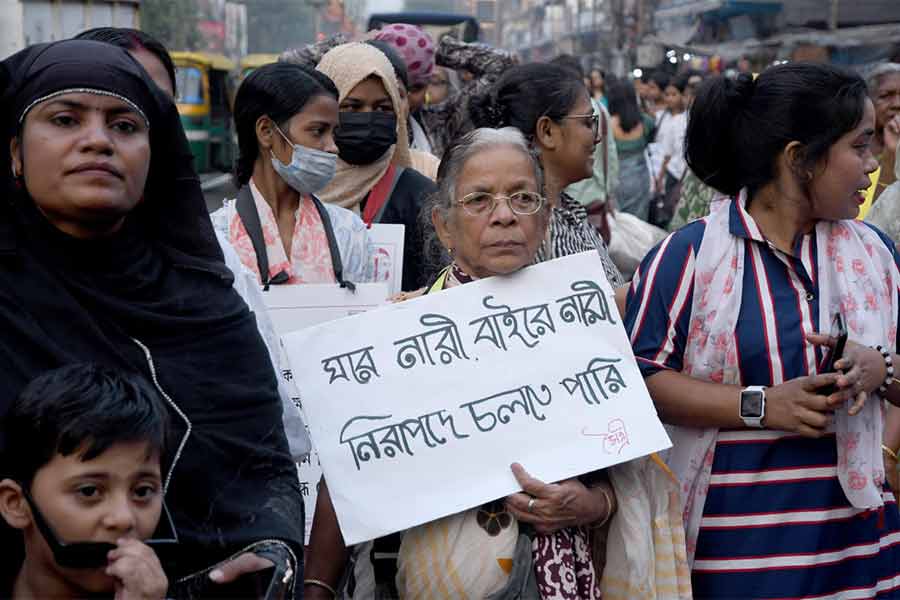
(622, 101)
(280, 91)
(133, 39)
(524, 94)
(680, 82)
(737, 128)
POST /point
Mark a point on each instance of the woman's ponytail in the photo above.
(714, 127)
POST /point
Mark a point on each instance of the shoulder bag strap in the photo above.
(380, 194)
(398, 173)
(246, 210)
(336, 263)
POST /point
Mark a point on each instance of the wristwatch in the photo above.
(753, 406)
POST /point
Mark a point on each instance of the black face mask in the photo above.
(364, 137)
(82, 555)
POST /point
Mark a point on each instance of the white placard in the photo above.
(388, 257)
(309, 473)
(418, 409)
(293, 307)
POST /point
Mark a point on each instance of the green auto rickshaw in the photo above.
(253, 61)
(204, 103)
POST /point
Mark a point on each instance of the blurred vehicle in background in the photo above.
(462, 27)
(254, 61)
(204, 101)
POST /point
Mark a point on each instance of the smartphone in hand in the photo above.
(839, 334)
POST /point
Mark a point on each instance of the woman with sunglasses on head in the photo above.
(553, 109)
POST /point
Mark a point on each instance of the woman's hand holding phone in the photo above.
(798, 405)
(861, 371)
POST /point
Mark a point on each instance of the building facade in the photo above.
(848, 32)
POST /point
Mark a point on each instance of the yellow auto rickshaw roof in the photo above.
(207, 59)
(252, 61)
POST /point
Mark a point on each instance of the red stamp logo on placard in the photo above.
(615, 439)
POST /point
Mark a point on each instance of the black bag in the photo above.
(662, 205)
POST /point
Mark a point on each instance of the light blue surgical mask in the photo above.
(309, 171)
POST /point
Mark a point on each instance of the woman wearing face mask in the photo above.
(415, 47)
(420, 156)
(286, 116)
(420, 159)
(373, 176)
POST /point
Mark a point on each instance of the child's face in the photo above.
(113, 496)
(674, 99)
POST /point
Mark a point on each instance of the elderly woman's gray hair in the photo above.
(466, 147)
(873, 80)
(452, 164)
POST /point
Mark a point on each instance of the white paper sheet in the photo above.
(293, 307)
(388, 258)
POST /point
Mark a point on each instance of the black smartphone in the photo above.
(269, 584)
(839, 334)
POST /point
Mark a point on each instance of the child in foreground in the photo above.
(84, 485)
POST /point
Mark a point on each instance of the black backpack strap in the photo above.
(336, 262)
(384, 559)
(246, 210)
(398, 172)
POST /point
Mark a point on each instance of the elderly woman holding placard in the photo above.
(490, 219)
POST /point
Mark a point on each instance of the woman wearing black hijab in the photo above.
(107, 255)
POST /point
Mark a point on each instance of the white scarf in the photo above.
(858, 277)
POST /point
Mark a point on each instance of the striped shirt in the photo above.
(776, 523)
(571, 233)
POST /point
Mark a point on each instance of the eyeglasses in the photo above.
(595, 122)
(478, 204)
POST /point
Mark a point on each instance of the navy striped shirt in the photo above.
(776, 523)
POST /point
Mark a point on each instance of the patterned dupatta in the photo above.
(310, 260)
(858, 277)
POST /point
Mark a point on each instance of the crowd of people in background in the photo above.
(733, 216)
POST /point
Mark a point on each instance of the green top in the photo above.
(628, 147)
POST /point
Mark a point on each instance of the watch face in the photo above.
(751, 404)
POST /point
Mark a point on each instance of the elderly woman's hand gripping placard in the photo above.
(418, 409)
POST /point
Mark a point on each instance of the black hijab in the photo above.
(154, 297)
(176, 216)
